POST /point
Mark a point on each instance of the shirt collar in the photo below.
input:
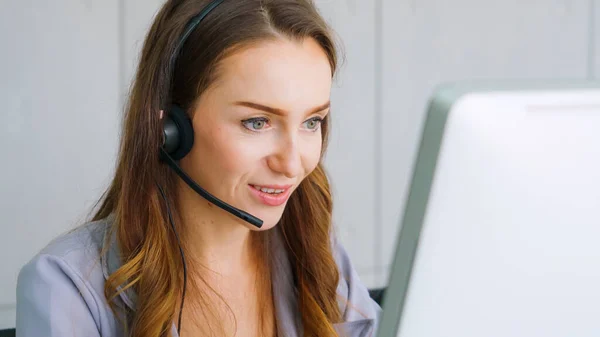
(111, 261)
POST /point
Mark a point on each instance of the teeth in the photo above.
(268, 190)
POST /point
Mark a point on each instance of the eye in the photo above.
(255, 124)
(313, 123)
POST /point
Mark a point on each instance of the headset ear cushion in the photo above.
(185, 132)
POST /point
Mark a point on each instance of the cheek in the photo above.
(231, 155)
(312, 155)
(226, 155)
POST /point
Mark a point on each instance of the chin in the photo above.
(267, 224)
(270, 220)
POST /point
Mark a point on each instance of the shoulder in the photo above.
(65, 276)
(78, 250)
(359, 310)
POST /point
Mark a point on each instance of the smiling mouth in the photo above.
(274, 191)
(271, 195)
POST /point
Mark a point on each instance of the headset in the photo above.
(178, 132)
(178, 139)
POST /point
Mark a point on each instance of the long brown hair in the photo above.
(152, 266)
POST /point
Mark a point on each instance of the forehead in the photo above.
(282, 74)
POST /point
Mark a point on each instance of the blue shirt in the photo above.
(60, 292)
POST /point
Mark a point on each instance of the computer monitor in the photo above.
(501, 231)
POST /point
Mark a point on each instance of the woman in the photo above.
(162, 258)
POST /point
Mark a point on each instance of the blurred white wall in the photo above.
(65, 68)
(59, 85)
(594, 35)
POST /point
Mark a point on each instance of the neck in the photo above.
(214, 239)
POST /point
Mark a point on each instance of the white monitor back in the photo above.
(501, 233)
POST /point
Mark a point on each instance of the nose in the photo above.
(286, 159)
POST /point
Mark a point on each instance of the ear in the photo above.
(162, 113)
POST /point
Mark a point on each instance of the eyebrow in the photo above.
(279, 112)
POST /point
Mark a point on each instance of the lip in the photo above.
(272, 199)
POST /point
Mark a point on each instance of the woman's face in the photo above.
(257, 129)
